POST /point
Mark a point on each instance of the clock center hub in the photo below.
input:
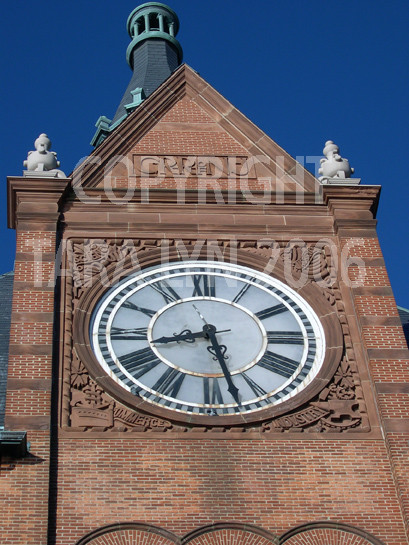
(191, 322)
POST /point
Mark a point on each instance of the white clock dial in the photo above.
(207, 338)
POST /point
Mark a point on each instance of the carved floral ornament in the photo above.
(337, 405)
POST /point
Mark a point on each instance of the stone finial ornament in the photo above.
(42, 162)
(334, 168)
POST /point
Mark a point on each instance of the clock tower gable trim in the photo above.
(185, 82)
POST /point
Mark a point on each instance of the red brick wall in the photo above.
(388, 362)
(24, 484)
(390, 370)
(24, 495)
(182, 485)
(376, 305)
(180, 137)
(186, 111)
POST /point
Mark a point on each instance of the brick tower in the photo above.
(204, 344)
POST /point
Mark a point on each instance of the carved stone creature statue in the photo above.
(43, 160)
(333, 165)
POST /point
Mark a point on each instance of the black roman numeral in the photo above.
(211, 391)
(204, 285)
(278, 364)
(242, 292)
(167, 292)
(258, 390)
(136, 334)
(271, 311)
(132, 306)
(285, 337)
(139, 362)
(169, 383)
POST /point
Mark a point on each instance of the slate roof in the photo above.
(404, 318)
(6, 293)
(153, 62)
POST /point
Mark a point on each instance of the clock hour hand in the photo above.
(218, 351)
(186, 335)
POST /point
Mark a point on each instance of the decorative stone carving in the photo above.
(42, 162)
(90, 406)
(339, 407)
(313, 263)
(131, 420)
(334, 168)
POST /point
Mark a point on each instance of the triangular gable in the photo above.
(186, 131)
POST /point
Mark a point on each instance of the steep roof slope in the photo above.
(404, 318)
(6, 293)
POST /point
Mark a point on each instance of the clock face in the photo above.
(207, 338)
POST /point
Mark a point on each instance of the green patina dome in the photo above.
(152, 20)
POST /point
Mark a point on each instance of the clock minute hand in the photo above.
(200, 314)
(218, 350)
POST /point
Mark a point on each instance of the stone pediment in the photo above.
(186, 134)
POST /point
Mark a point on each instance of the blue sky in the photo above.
(303, 71)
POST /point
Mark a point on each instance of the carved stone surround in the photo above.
(339, 406)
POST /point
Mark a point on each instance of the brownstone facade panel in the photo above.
(214, 186)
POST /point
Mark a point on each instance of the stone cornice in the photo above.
(351, 198)
(34, 200)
